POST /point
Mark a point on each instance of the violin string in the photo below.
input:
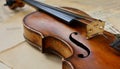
(106, 37)
(114, 30)
(78, 16)
(109, 27)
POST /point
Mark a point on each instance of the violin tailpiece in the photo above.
(95, 28)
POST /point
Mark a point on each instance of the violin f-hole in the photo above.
(80, 45)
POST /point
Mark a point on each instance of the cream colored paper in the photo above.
(11, 25)
(4, 66)
(24, 56)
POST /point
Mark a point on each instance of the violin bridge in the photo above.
(95, 28)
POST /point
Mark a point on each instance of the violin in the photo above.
(79, 39)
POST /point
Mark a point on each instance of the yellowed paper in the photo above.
(24, 56)
(4, 66)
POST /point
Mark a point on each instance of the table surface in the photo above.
(11, 31)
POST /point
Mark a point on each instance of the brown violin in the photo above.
(76, 37)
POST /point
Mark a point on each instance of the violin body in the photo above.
(50, 35)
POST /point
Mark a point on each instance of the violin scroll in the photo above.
(13, 4)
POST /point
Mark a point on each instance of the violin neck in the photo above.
(61, 14)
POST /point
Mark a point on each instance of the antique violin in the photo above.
(76, 37)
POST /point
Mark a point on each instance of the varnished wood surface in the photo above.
(102, 55)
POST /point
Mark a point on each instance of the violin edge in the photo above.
(40, 46)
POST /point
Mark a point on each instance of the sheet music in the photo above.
(11, 27)
(24, 56)
(4, 66)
